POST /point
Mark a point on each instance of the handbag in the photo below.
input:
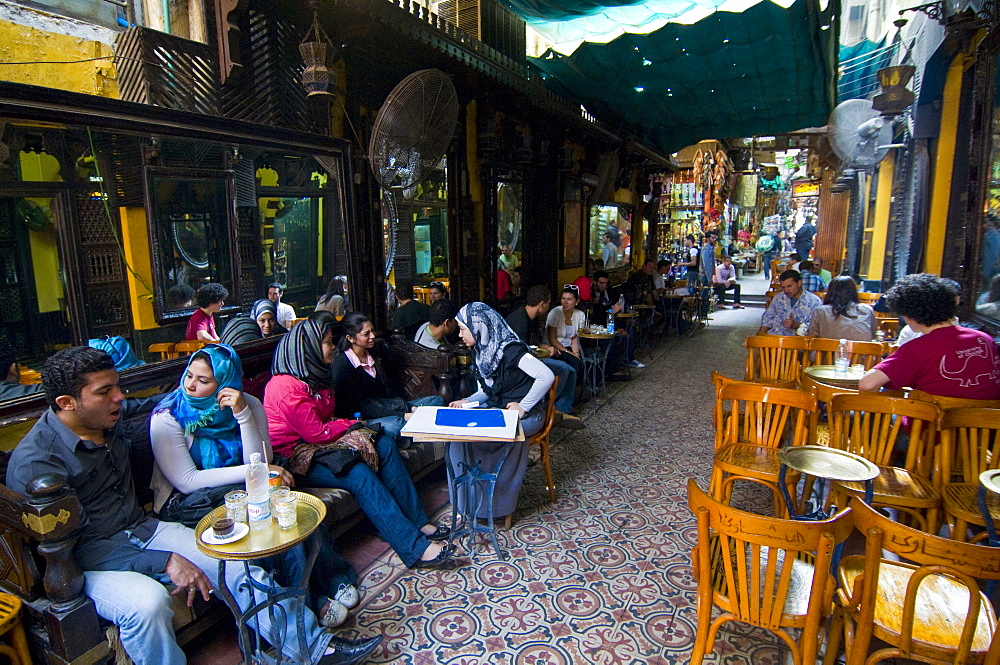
(188, 509)
(355, 445)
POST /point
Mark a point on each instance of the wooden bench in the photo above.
(36, 557)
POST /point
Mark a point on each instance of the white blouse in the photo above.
(565, 333)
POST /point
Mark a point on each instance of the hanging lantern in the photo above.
(313, 49)
(895, 97)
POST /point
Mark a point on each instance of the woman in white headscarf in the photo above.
(509, 377)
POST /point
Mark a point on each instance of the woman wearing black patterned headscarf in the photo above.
(300, 404)
(510, 377)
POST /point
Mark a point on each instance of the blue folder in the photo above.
(469, 418)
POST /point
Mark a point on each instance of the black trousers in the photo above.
(720, 292)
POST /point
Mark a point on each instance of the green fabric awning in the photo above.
(766, 70)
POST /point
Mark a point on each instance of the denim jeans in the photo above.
(391, 425)
(140, 605)
(566, 392)
(328, 573)
(387, 497)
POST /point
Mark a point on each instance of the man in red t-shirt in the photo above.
(947, 360)
(201, 325)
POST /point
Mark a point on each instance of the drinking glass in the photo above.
(284, 511)
(236, 505)
(277, 493)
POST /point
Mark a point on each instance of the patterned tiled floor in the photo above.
(603, 574)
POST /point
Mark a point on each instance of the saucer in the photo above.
(239, 531)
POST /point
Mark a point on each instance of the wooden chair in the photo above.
(13, 629)
(889, 326)
(541, 438)
(770, 573)
(971, 442)
(776, 359)
(187, 347)
(300, 320)
(929, 610)
(720, 413)
(164, 349)
(28, 376)
(868, 354)
(869, 425)
(761, 420)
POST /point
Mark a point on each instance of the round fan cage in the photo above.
(413, 128)
(857, 132)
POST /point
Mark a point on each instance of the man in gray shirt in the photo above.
(440, 325)
(127, 556)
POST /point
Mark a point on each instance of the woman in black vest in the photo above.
(510, 377)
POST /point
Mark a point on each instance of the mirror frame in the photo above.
(158, 249)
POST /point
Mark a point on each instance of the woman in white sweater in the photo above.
(203, 434)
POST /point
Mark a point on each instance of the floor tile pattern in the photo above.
(603, 574)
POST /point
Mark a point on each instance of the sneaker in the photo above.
(335, 614)
(636, 364)
(569, 421)
(348, 596)
(738, 306)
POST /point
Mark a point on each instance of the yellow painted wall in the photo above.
(883, 199)
(135, 239)
(43, 167)
(943, 165)
(20, 43)
(568, 275)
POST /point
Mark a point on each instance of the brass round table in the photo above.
(826, 374)
(989, 481)
(826, 463)
(310, 513)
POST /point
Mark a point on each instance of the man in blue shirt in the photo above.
(127, 556)
(790, 308)
(810, 280)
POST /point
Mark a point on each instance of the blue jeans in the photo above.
(391, 425)
(140, 606)
(328, 573)
(387, 497)
(566, 392)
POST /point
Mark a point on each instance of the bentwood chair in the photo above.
(761, 420)
(869, 425)
(868, 354)
(971, 442)
(776, 359)
(763, 571)
(187, 347)
(930, 610)
(720, 413)
(541, 438)
(164, 349)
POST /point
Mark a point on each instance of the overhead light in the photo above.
(895, 96)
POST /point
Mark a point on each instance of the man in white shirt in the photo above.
(440, 325)
(285, 312)
(724, 280)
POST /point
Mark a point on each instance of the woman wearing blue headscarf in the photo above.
(203, 434)
(510, 377)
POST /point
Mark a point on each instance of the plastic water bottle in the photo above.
(611, 321)
(842, 360)
(258, 495)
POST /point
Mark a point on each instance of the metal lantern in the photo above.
(313, 49)
(895, 97)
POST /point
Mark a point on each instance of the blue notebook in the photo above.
(469, 418)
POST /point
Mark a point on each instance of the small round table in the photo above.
(989, 481)
(828, 375)
(310, 512)
(828, 464)
(594, 364)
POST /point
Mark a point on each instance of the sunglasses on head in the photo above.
(437, 284)
(571, 287)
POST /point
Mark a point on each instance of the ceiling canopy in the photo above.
(766, 70)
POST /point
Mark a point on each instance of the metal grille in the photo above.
(165, 70)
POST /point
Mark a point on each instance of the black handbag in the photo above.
(188, 509)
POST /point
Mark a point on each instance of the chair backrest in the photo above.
(954, 402)
(300, 320)
(955, 567)
(868, 424)
(971, 442)
(188, 347)
(756, 566)
(550, 413)
(775, 358)
(766, 415)
(861, 353)
(889, 326)
(718, 411)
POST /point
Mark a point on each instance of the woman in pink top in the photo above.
(299, 404)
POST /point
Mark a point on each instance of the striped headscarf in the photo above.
(240, 330)
(300, 354)
(492, 335)
(265, 305)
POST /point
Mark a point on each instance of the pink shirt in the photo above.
(297, 413)
(199, 321)
(952, 362)
(368, 367)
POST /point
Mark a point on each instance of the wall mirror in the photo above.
(510, 208)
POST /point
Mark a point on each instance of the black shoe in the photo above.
(442, 533)
(437, 561)
(349, 651)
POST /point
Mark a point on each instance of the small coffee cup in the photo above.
(223, 527)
